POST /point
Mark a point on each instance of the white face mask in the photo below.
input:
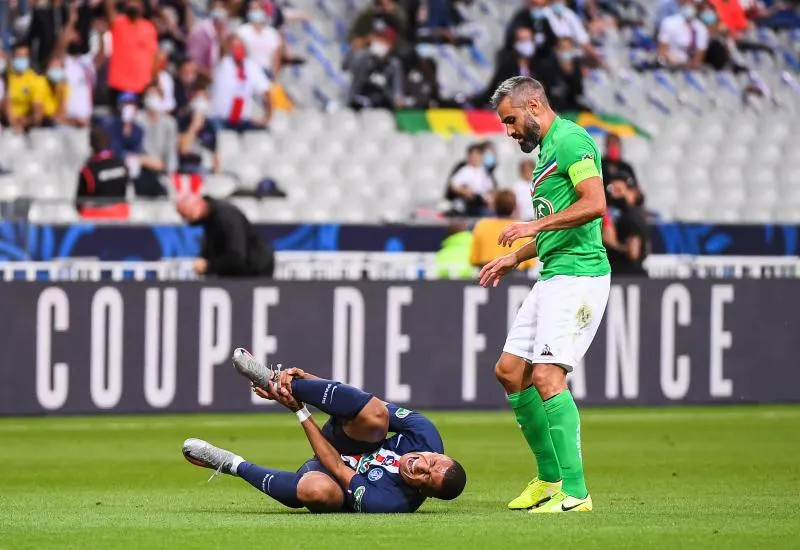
(128, 113)
(152, 103)
(379, 49)
(525, 48)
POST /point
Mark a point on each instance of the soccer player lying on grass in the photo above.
(356, 467)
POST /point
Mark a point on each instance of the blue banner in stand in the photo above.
(22, 241)
(78, 348)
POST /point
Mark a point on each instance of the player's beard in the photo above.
(531, 134)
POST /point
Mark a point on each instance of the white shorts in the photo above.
(558, 320)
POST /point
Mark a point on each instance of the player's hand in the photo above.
(285, 382)
(517, 231)
(200, 266)
(273, 394)
(495, 270)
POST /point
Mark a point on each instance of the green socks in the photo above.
(565, 430)
(533, 420)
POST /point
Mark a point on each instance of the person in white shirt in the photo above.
(567, 24)
(166, 84)
(472, 184)
(263, 42)
(682, 38)
(237, 81)
(522, 190)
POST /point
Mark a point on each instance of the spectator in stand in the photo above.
(263, 42)
(615, 167)
(125, 135)
(231, 245)
(452, 259)
(487, 230)
(522, 190)
(55, 91)
(562, 77)
(47, 22)
(159, 145)
(377, 81)
(682, 39)
(722, 53)
(132, 64)
(198, 136)
(103, 179)
(80, 71)
(533, 17)
(520, 60)
(207, 36)
(187, 75)
(165, 82)
(374, 18)
(566, 24)
(627, 258)
(471, 185)
(237, 80)
(24, 99)
(171, 37)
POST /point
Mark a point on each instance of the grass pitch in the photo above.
(726, 477)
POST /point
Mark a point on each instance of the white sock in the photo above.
(235, 461)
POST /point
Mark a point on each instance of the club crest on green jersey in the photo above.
(542, 207)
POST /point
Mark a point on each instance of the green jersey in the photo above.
(567, 156)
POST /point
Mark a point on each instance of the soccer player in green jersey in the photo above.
(558, 320)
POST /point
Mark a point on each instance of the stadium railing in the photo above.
(380, 266)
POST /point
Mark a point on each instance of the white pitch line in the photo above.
(468, 419)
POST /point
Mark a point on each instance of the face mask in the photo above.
(128, 113)
(709, 17)
(489, 160)
(425, 50)
(558, 9)
(132, 12)
(56, 74)
(613, 152)
(689, 11)
(379, 49)
(564, 56)
(219, 14)
(238, 53)
(538, 13)
(152, 103)
(199, 105)
(525, 48)
(74, 49)
(20, 64)
(257, 17)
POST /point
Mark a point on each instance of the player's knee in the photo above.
(549, 380)
(504, 371)
(319, 493)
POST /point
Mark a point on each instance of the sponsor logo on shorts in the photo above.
(402, 413)
(546, 351)
(357, 496)
(375, 475)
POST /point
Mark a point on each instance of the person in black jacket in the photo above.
(103, 179)
(231, 246)
(628, 254)
(533, 17)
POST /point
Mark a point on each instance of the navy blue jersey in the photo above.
(377, 486)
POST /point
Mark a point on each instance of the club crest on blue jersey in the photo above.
(375, 475)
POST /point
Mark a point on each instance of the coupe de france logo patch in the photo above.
(375, 475)
(402, 413)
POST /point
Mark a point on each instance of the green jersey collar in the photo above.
(548, 137)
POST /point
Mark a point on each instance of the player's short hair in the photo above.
(518, 89)
(455, 479)
(505, 202)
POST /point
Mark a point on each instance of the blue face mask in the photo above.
(689, 11)
(426, 50)
(489, 160)
(558, 9)
(56, 74)
(257, 17)
(538, 13)
(709, 17)
(20, 64)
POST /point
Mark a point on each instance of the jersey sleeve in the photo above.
(366, 497)
(416, 428)
(578, 157)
